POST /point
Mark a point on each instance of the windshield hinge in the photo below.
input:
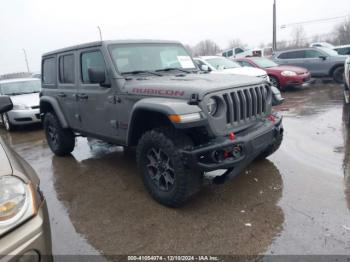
(194, 99)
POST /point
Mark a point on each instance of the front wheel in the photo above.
(60, 140)
(338, 75)
(7, 124)
(163, 170)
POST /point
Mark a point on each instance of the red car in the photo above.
(280, 76)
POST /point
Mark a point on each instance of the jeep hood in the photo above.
(183, 86)
(248, 71)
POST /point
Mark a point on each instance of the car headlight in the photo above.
(21, 107)
(288, 73)
(212, 106)
(17, 202)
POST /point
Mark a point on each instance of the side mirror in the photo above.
(323, 57)
(97, 76)
(205, 68)
(277, 98)
(5, 104)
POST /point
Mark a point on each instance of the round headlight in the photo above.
(13, 199)
(212, 106)
(288, 73)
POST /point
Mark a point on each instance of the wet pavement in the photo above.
(295, 202)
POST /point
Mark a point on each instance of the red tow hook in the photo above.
(272, 118)
(232, 136)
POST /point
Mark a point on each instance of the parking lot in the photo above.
(296, 202)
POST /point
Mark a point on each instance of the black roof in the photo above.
(108, 42)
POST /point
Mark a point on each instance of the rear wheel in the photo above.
(338, 75)
(60, 140)
(274, 81)
(163, 170)
(7, 124)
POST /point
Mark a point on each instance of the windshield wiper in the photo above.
(172, 69)
(136, 72)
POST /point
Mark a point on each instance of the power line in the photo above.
(316, 21)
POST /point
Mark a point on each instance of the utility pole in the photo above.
(99, 29)
(26, 59)
(274, 38)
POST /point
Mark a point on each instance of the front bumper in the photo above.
(300, 80)
(24, 117)
(30, 240)
(235, 154)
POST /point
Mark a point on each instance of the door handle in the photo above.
(83, 96)
(61, 95)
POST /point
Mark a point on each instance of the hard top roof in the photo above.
(108, 42)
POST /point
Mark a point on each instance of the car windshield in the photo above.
(264, 62)
(222, 63)
(20, 87)
(137, 58)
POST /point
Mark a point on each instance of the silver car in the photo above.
(24, 222)
(321, 62)
(24, 93)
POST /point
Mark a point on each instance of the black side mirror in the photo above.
(323, 57)
(97, 76)
(5, 104)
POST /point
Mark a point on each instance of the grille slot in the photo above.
(244, 105)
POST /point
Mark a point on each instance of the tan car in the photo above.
(24, 222)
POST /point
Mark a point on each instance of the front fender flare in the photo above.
(56, 108)
(165, 106)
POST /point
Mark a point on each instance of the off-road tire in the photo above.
(6, 122)
(338, 75)
(274, 81)
(60, 140)
(170, 142)
(272, 148)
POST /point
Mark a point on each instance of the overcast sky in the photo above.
(43, 25)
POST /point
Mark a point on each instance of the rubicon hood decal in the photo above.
(159, 92)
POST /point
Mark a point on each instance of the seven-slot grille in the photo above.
(247, 104)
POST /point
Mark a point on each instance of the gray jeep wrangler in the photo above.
(150, 94)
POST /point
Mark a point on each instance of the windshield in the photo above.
(150, 57)
(264, 62)
(20, 87)
(222, 63)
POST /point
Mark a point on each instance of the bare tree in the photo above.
(206, 47)
(299, 37)
(235, 43)
(342, 33)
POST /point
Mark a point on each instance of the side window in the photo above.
(49, 71)
(296, 54)
(312, 54)
(283, 56)
(66, 69)
(230, 53)
(93, 59)
(239, 50)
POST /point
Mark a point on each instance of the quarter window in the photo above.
(49, 71)
(92, 59)
(66, 69)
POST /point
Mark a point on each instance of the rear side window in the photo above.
(313, 54)
(239, 50)
(292, 55)
(66, 69)
(49, 71)
(93, 59)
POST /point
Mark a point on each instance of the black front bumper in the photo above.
(249, 144)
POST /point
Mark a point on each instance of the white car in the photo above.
(322, 44)
(222, 65)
